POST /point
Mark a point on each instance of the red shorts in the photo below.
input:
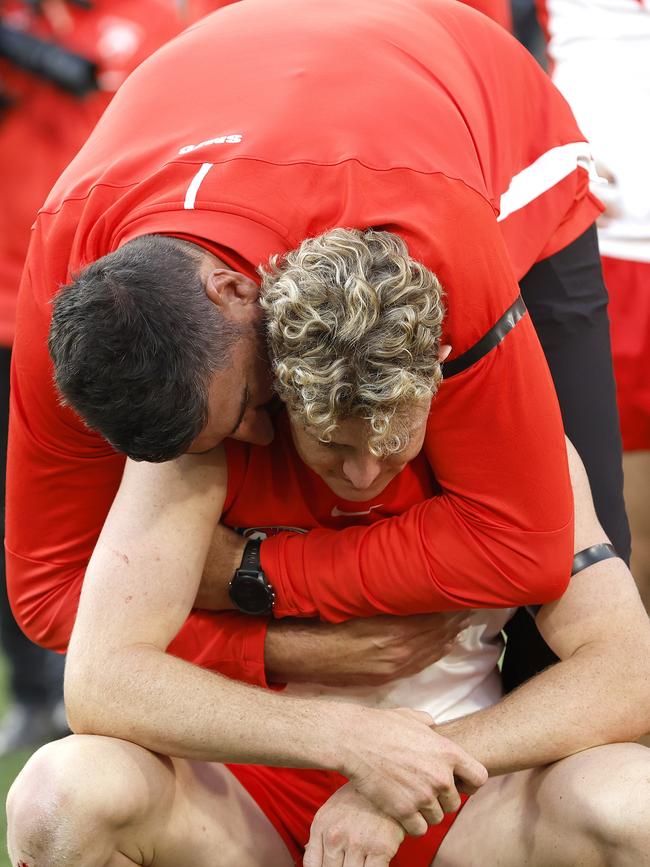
(290, 798)
(629, 312)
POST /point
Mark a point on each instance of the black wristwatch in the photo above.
(249, 590)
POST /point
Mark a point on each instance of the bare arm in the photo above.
(140, 585)
(369, 651)
(599, 692)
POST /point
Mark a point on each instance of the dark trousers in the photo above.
(567, 300)
(35, 674)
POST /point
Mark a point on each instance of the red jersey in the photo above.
(422, 118)
(271, 491)
(44, 126)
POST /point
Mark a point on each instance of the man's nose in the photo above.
(361, 472)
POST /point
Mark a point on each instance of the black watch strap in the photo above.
(251, 556)
(249, 590)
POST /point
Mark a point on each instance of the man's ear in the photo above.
(235, 294)
(443, 352)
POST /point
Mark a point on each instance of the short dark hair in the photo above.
(135, 340)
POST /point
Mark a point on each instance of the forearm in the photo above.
(598, 693)
(598, 696)
(224, 557)
(140, 584)
(144, 695)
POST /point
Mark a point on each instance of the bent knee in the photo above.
(604, 793)
(73, 793)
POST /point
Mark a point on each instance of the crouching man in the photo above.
(147, 788)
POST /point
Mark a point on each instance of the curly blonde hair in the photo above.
(354, 327)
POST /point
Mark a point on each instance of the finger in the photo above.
(460, 617)
(464, 787)
(456, 629)
(432, 814)
(377, 861)
(461, 624)
(332, 857)
(313, 851)
(415, 825)
(354, 858)
(472, 774)
(445, 623)
(425, 658)
(449, 800)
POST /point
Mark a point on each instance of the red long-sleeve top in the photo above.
(425, 119)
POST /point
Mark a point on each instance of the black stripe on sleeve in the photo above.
(493, 337)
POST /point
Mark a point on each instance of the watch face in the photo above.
(251, 594)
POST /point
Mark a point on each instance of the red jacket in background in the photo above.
(45, 126)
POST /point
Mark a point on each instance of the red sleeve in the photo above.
(227, 642)
(61, 481)
(501, 534)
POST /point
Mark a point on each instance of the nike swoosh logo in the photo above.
(338, 513)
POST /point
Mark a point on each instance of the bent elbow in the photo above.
(550, 589)
(81, 695)
(550, 557)
(547, 580)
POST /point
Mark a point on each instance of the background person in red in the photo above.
(355, 419)
(60, 64)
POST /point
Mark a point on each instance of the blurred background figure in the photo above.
(599, 53)
(60, 64)
(526, 27)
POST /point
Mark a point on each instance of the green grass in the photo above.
(9, 767)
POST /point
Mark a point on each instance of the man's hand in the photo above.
(224, 556)
(349, 830)
(407, 770)
(369, 651)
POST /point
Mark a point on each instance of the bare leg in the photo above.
(91, 801)
(590, 810)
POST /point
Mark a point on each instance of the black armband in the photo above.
(589, 556)
(583, 559)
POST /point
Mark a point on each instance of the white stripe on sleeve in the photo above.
(192, 190)
(544, 173)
